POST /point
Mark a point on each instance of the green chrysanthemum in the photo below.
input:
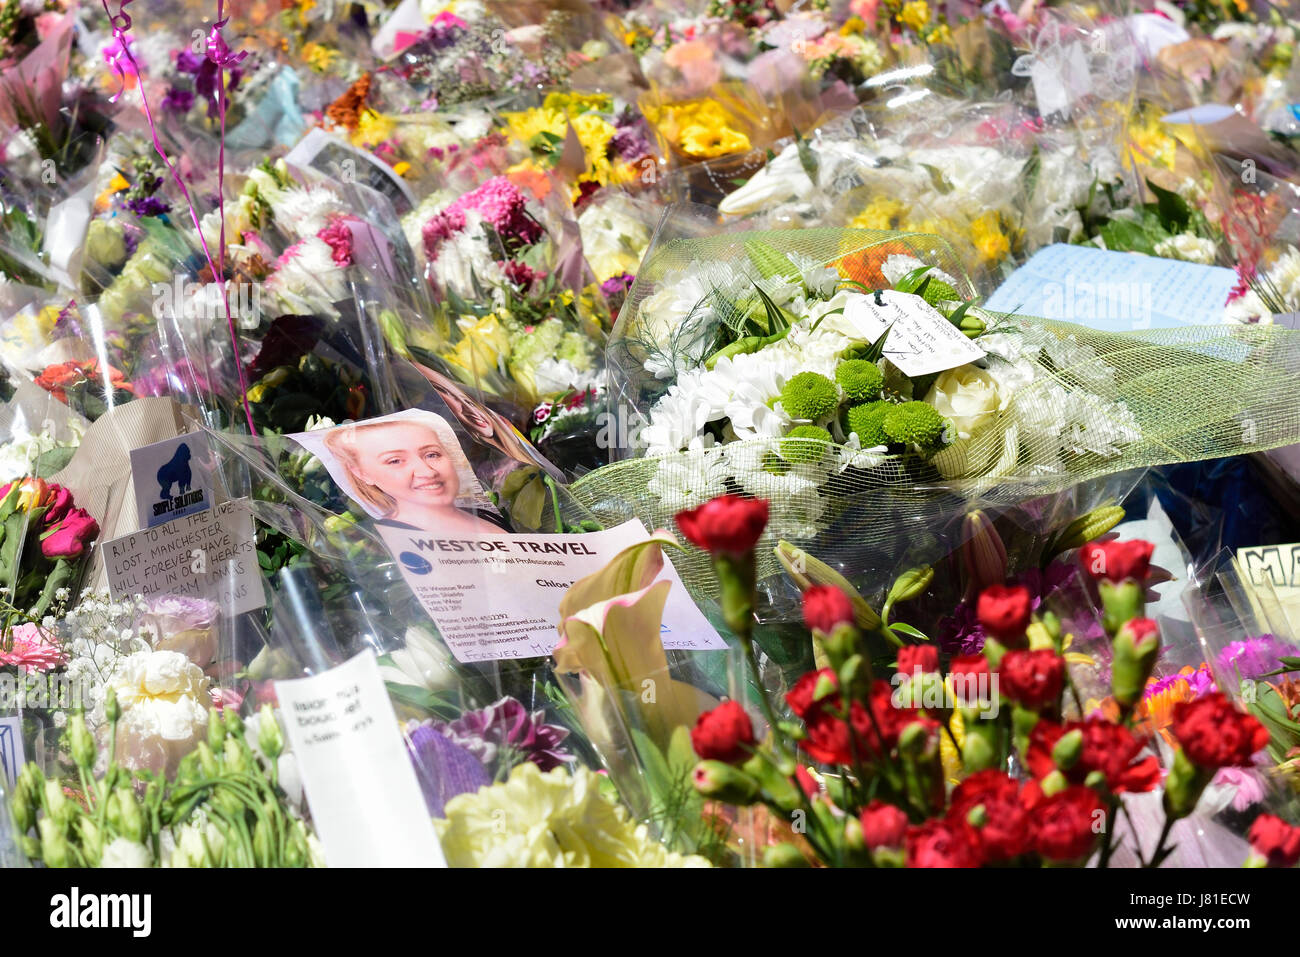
(809, 395)
(916, 423)
(861, 380)
(805, 443)
(868, 422)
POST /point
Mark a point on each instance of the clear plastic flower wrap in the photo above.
(718, 383)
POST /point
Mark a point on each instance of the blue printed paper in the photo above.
(1114, 291)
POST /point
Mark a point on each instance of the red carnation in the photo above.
(721, 734)
(1003, 828)
(831, 740)
(1215, 735)
(825, 607)
(883, 825)
(1068, 824)
(1004, 610)
(800, 697)
(1032, 678)
(971, 683)
(727, 525)
(1109, 748)
(940, 843)
(913, 658)
(1117, 561)
(1276, 840)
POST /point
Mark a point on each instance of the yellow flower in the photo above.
(883, 212)
(482, 347)
(594, 133)
(548, 819)
(572, 103)
(940, 35)
(915, 14)
(987, 235)
(706, 142)
(319, 57)
(526, 125)
(851, 26)
(373, 129)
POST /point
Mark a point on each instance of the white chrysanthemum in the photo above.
(306, 279)
(303, 211)
(690, 480)
(467, 255)
(1188, 247)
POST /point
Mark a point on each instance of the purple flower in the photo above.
(189, 62)
(504, 733)
(147, 206)
(1254, 657)
(443, 768)
(962, 634)
(178, 100)
(629, 144)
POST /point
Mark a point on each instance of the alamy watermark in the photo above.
(1117, 301)
(196, 300)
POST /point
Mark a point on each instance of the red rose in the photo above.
(1032, 678)
(971, 683)
(1215, 735)
(1004, 610)
(1276, 840)
(883, 825)
(800, 697)
(1003, 828)
(1117, 561)
(720, 734)
(825, 607)
(939, 843)
(727, 525)
(1109, 748)
(913, 658)
(1068, 824)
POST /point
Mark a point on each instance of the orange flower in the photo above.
(57, 379)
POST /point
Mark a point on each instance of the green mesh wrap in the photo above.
(1193, 393)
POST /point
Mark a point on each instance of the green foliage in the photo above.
(868, 422)
(809, 395)
(805, 443)
(914, 423)
(861, 380)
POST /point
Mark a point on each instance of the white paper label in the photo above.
(336, 157)
(921, 340)
(498, 596)
(365, 801)
(11, 749)
(173, 478)
(211, 554)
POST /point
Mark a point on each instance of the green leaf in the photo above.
(1175, 214)
(417, 697)
(55, 460)
(776, 319)
(659, 778)
(910, 631)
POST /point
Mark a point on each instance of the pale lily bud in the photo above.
(112, 710)
(216, 730)
(983, 554)
(784, 855)
(805, 571)
(1089, 527)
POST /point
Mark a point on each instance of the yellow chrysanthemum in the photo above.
(373, 128)
(551, 819)
(883, 212)
(915, 14)
(940, 35)
(986, 233)
(527, 124)
(571, 103)
(852, 25)
(594, 133)
(705, 142)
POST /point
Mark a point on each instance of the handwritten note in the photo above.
(921, 340)
(210, 554)
(1114, 291)
(499, 596)
(365, 801)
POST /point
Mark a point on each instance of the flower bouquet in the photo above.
(775, 364)
(863, 766)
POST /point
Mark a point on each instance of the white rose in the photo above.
(969, 397)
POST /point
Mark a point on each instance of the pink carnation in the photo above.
(31, 650)
(339, 239)
(501, 205)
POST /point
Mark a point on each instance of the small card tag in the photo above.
(210, 554)
(498, 596)
(921, 340)
(365, 800)
(173, 478)
(335, 157)
(1278, 564)
(11, 749)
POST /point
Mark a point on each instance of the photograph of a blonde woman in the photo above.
(408, 471)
